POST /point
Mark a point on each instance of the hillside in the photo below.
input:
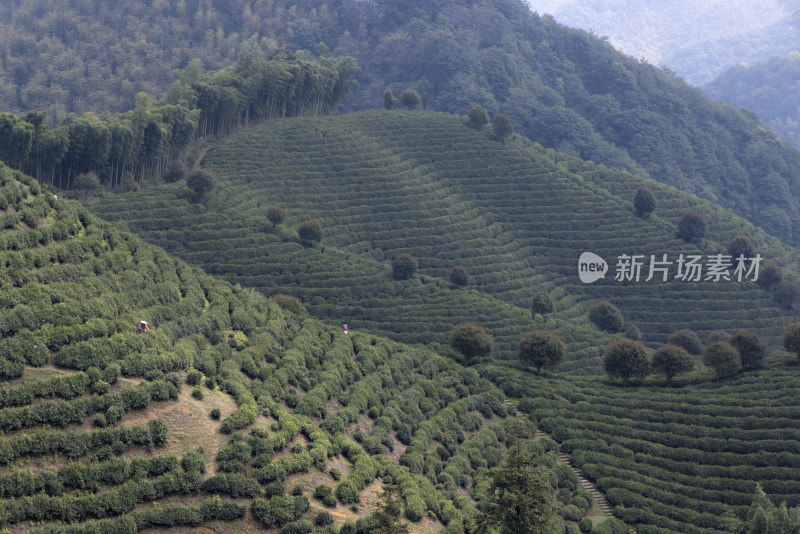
(564, 88)
(770, 89)
(515, 215)
(106, 425)
(677, 459)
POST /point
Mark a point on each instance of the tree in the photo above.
(520, 498)
(770, 276)
(759, 523)
(542, 303)
(459, 276)
(787, 294)
(389, 99)
(671, 360)
(201, 181)
(692, 225)
(86, 183)
(541, 348)
(386, 519)
(791, 338)
(723, 358)
(741, 246)
(688, 339)
(632, 332)
(626, 359)
(644, 202)
(752, 348)
(175, 172)
(410, 99)
(478, 117)
(276, 215)
(404, 266)
(502, 126)
(310, 231)
(471, 340)
(606, 316)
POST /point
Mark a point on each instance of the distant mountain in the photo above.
(771, 89)
(515, 215)
(696, 40)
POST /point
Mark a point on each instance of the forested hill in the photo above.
(563, 88)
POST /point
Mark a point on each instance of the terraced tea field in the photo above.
(229, 411)
(516, 216)
(683, 459)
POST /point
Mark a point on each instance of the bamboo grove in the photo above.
(127, 148)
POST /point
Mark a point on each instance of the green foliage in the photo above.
(519, 496)
(278, 510)
(541, 348)
(290, 303)
(404, 266)
(471, 340)
(276, 215)
(626, 359)
(741, 245)
(201, 181)
(791, 338)
(687, 339)
(502, 126)
(645, 202)
(787, 294)
(752, 348)
(478, 117)
(542, 303)
(671, 360)
(606, 316)
(459, 276)
(692, 226)
(723, 358)
(410, 98)
(310, 231)
(389, 99)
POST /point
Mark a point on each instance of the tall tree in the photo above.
(626, 359)
(541, 348)
(520, 498)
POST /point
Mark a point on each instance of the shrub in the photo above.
(404, 266)
(752, 348)
(644, 201)
(741, 246)
(571, 513)
(389, 99)
(194, 377)
(585, 525)
(322, 491)
(718, 335)
(688, 339)
(276, 215)
(626, 359)
(632, 332)
(279, 510)
(478, 117)
(459, 276)
(770, 275)
(692, 225)
(787, 294)
(410, 99)
(290, 303)
(541, 348)
(346, 492)
(336, 474)
(201, 181)
(671, 360)
(215, 414)
(176, 171)
(323, 518)
(723, 358)
(197, 393)
(542, 303)
(502, 126)
(791, 338)
(310, 231)
(606, 316)
(471, 340)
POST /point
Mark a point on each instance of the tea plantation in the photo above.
(230, 411)
(515, 215)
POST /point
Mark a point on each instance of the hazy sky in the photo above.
(657, 30)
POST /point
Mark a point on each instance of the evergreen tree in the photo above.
(471, 340)
(389, 99)
(541, 348)
(626, 359)
(644, 202)
(520, 498)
